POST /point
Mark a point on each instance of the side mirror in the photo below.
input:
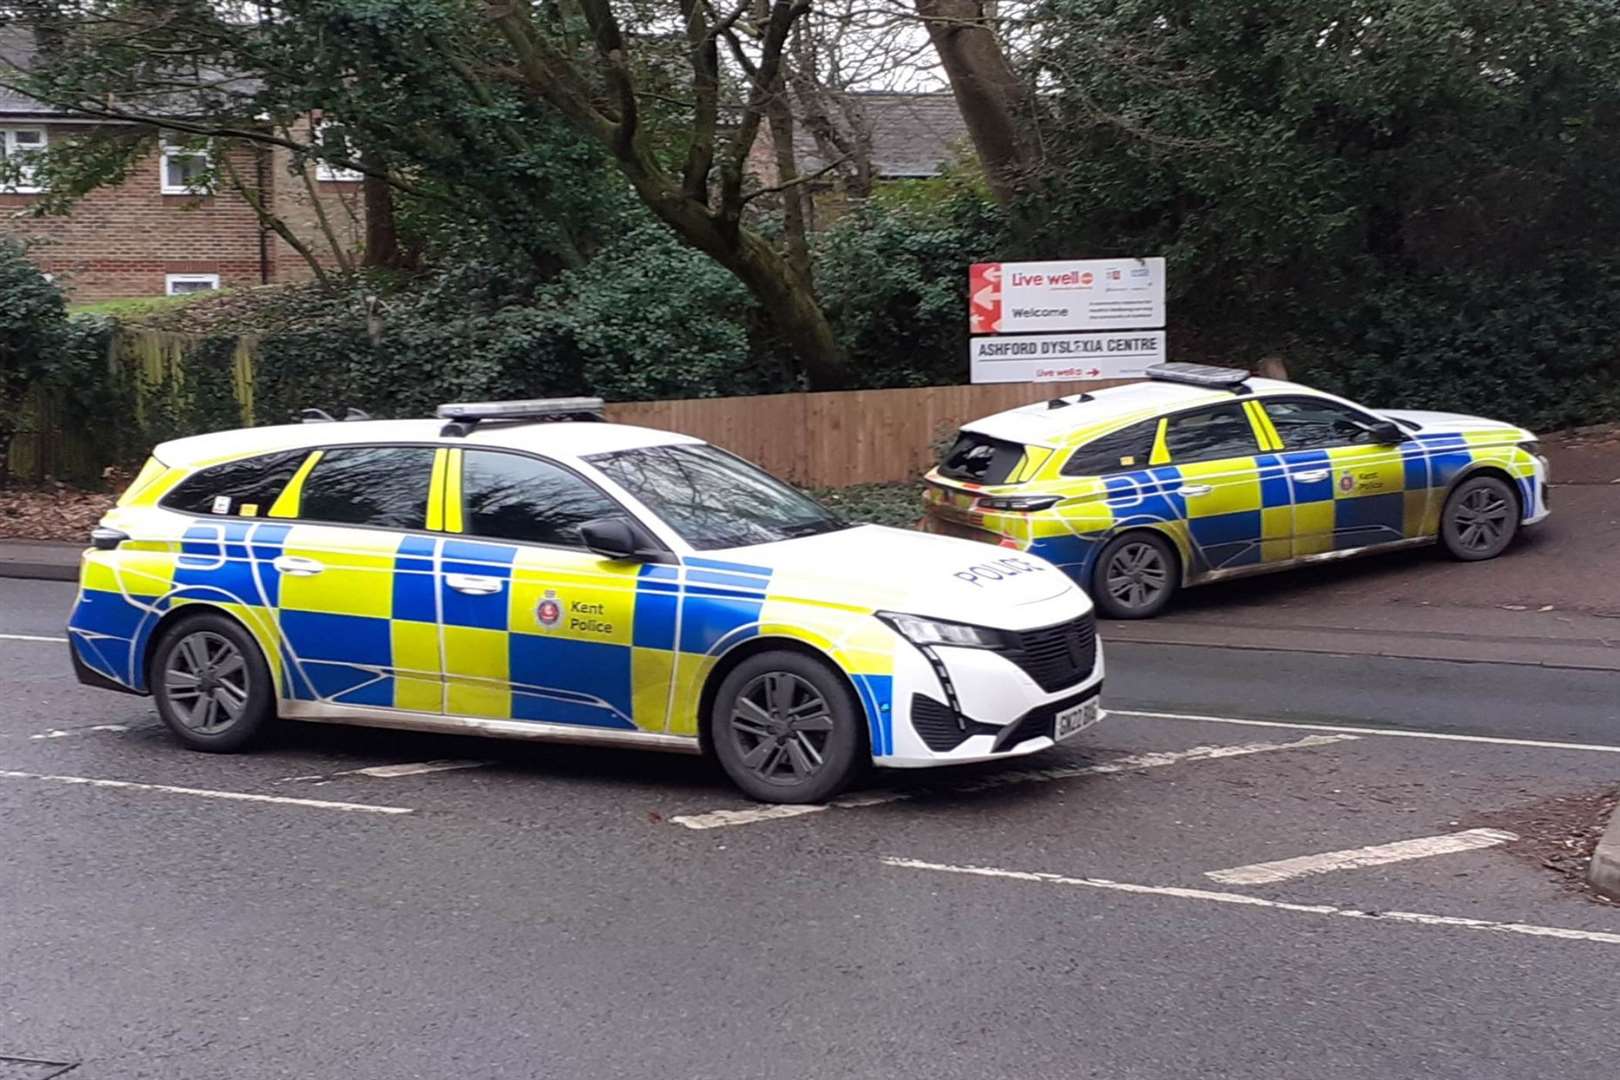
(1387, 433)
(613, 538)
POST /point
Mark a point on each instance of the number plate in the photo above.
(1076, 718)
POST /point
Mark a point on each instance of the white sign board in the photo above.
(1123, 354)
(1073, 294)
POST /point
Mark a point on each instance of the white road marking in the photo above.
(717, 819)
(63, 733)
(389, 772)
(33, 637)
(1242, 899)
(205, 793)
(1446, 736)
(1355, 858)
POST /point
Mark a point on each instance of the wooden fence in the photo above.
(817, 440)
(843, 437)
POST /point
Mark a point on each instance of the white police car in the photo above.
(523, 570)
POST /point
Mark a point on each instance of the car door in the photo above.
(355, 580)
(1205, 461)
(1347, 490)
(536, 627)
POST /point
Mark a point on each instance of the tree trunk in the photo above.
(382, 233)
(995, 104)
(795, 196)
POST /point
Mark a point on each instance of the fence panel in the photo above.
(831, 439)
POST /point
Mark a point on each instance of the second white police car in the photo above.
(523, 569)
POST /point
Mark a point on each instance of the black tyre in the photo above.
(211, 684)
(1135, 576)
(786, 729)
(1480, 519)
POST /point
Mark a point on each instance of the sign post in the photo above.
(1105, 318)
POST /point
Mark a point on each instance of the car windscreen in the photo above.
(979, 459)
(713, 499)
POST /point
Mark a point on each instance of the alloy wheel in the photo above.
(781, 724)
(206, 681)
(1480, 519)
(1136, 575)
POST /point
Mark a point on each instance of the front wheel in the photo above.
(1135, 576)
(787, 729)
(211, 684)
(1480, 519)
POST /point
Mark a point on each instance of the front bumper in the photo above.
(967, 705)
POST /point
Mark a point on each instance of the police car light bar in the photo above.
(1216, 378)
(466, 415)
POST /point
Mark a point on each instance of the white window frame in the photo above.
(325, 170)
(171, 150)
(171, 280)
(8, 137)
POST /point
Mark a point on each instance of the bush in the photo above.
(33, 320)
(1539, 349)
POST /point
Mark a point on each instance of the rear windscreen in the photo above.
(979, 459)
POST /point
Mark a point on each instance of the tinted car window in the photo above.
(979, 459)
(1210, 434)
(513, 497)
(714, 499)
(384, 486)
(1306, 424)
(1124, 450)
(246, 488)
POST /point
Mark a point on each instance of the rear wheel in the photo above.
(786, 728)
(1135, 576)
(211, 684)
(1480, 519)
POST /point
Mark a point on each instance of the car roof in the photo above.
(1079, 421)
(555, 439)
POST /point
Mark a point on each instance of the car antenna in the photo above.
(1064, 403)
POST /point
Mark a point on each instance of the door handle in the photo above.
(1312, 476)
(297, 565)
(473, 584)
(1193, 490)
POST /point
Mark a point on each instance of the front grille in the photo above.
(1055, 656)
(1038, 722)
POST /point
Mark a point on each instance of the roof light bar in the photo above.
(1208, 375)
(466, 415)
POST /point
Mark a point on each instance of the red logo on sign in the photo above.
(1087, 278)
(984, 298)
(549, 612)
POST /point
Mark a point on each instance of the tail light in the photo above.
(1017, 504)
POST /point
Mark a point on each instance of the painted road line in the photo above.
(1445, 736)
(719, 819)
(390, 772)
(1356, 858)
(205, 793)
(1245, 900)
(63, 733)
(33, 637)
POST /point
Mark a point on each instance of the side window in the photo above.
(1307, 424)
(245, 488)
(1121, 451)
(513, 497)
(385, 486)
(1210, 434)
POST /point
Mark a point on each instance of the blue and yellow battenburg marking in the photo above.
(518, 632)
(1269, 507)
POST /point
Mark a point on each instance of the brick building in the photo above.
(162, 231)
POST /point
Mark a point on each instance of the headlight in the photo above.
(1018, 504)
(1532, 446)
(920, 631)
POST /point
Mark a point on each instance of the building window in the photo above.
(330, 139)
(183, 284)
(185, 166)
(17, 147)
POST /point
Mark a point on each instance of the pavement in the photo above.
(1266, 864)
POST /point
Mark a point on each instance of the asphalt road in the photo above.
(550, 912)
